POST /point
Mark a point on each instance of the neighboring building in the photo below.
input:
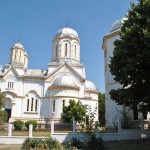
(41, 94)
(112, 109)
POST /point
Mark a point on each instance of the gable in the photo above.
(65, 68)
(11, 75)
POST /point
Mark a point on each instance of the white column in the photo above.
(74, 126)
(52, 127)
(10, 130)
(30, 130)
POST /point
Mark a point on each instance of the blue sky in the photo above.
(35, 23)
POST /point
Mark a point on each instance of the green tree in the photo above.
(75, 111)
(101, 108)
(130, 63)
(3, 113)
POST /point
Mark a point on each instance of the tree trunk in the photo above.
(135, 112)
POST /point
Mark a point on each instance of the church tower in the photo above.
(66, 46)
(19, 57)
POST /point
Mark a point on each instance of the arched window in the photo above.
(20, 56)
(28, 104)
(32, 105)
(63, 104)
(53, 105)
(56, 53)
(66, 49)
(75, 51)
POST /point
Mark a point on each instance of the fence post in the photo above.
(10, 130)
(142, 123)
(119, 124)
(52, 127)
(74, 126)
(30, 130)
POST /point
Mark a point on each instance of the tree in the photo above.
(75, 111)
(101, 108)
(3, 113)
(130, 63)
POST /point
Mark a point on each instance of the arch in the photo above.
(33, 92)
(32, 101)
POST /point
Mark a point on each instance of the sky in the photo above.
(35, 22)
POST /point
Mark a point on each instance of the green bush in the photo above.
(33, 122)
(39, 144)
(3, 117)
(95, 143)
(73, 144)
(18, 125)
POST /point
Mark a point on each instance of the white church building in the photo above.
(41, 94)
(112, 109)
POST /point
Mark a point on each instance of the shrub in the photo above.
(95, 143)
(33, 122)
(3, 117)
(39, 144)
(73, 144)
(18, 125)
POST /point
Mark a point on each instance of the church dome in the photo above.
(67, 31)
(117, 24)
(64, 80)
(18, 45)
(90, 85)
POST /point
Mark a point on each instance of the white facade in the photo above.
(41, 94)
(112, 109)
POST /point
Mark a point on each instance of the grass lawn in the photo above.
(26, 133)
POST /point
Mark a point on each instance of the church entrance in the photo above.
(8, 112)
(8, 107)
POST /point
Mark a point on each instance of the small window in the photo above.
(75, 51)
(66, 49)
(36, 103)
(27, 104)
(63, 103)
(32, 104)
(10, 85)
(56, 55)
(54, 106)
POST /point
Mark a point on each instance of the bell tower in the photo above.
(19, 57)
(66, 46)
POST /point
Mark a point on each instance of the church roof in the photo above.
(18, 45)
(67, 31)
(90, 86)
(64, 80)
(117, 24)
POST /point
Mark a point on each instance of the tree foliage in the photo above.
(101, 108)
(3, 113)
(130, 63)
(75, 111)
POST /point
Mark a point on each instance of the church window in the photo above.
(32, 104)
(10, 85)
(54, 106)
(36, 103)
(15, 54)
(20, 56)
(28, 104)
(75, 51)
(63, 103)
(56, 55)
(66, 49)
